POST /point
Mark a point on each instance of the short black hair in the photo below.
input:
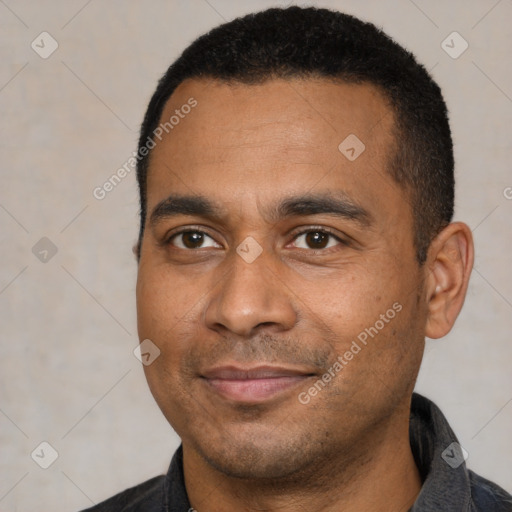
(311, 42)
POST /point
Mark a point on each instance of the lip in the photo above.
(252, 385)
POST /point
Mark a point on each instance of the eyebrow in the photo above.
(336, 204)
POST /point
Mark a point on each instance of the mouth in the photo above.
(253, 385)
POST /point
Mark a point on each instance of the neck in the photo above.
(378, 474)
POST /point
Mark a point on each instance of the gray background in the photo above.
(68, 375)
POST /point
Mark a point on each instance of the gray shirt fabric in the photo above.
(448, 486)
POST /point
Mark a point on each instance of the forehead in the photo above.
(307, 109)
(255, 141)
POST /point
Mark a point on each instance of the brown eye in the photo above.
(316, 240)
(191, 240)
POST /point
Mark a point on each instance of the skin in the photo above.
(300, 303)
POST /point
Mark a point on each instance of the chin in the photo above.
(256, 457)
(242, 466)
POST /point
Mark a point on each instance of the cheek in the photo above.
(163, 301)
(160, 318)
(349, 299)
(167, 314)
(368, 314)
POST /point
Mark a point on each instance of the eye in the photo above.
(313, 239)
(192, 239)
(317, 239)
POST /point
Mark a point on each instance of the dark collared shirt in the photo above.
(448, 486)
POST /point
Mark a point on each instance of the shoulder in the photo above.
(488, 496)
(147, 496)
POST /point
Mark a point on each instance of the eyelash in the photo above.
(311, 229)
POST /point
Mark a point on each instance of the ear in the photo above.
(136, 250)
(449, 264)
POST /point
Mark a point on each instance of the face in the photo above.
(278, 275)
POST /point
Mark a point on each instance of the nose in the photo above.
(251, 296)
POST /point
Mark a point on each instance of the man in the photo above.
(296, 247)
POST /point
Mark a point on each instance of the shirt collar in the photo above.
(439, 458)
(175, 493)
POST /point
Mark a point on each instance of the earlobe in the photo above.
(136, 251)
(449, 266)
